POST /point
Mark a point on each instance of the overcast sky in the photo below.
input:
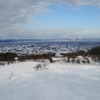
(49, 19)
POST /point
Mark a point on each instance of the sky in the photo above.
(47, 19)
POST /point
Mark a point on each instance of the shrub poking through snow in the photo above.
(73, 60)
(2, 63)
(11, 75)
(78, 61)
(68, 60)
(83, 62)
(38, 67)
(42, 66)
(45, 64)
(88, 61)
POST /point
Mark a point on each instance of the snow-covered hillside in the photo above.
(20, 81)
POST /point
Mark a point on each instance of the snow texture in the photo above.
(20, 81)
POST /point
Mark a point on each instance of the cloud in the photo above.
(26, 33)
(80, 2)
(15, 13)
(19, 11)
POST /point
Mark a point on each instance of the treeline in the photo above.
(94, 53)
(37, 56)
(7, 56)
(11, 56)
(75, 54)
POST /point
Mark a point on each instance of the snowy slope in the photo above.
(20, 81)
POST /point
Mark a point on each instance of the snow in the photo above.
(20, 81)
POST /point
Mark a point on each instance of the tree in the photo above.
(73, 60)
(83, 61)
(68, 59)
(88, 61)
(50, 59)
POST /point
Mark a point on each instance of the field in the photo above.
(59, 81)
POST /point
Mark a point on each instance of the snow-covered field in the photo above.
(20, 81)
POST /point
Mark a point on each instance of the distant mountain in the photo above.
(47, 40)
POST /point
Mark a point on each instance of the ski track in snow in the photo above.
(59, 82)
